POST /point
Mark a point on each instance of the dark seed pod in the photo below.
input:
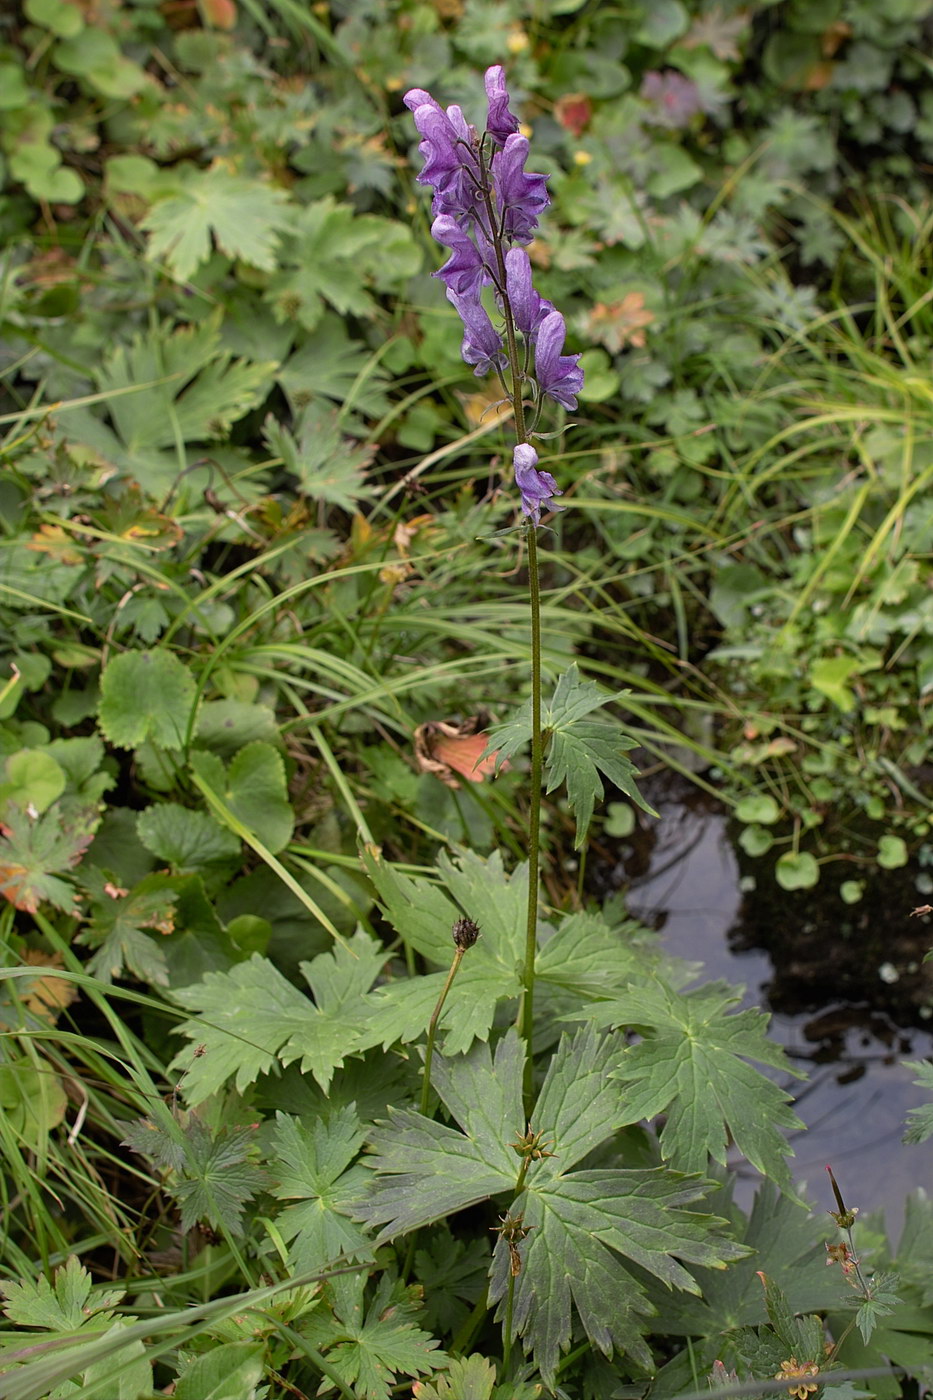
(465, 933)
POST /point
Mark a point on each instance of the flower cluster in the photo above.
(791, 1370)
(486, 207)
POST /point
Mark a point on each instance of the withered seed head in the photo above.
(465, 933)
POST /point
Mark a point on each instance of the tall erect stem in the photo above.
(526, 1014)
(526, 1010)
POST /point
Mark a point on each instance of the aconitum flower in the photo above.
(482, 343)
(528, 307)
(536, 487)
(520, 196)
(486, 207)
(559, 376)
(500, 122)
(464, 272)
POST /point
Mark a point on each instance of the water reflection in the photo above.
(685, 880)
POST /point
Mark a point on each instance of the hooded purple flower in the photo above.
(536, 487)
(464, 271)
(521, 196)
(482, 343)
(559, 376)
(485, 203)
(528, 307)
(447, 147)
(500, 123)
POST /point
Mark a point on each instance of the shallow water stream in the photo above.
(855, 1099)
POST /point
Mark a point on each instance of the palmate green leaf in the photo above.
(577, 749)
(330, 467)
(146, 695)
(691, 1066)
(194, 388)
(578, 1225)
(217, 1179)
(337, 255)
(255, 790)
(212, 1177)
(243, 217)
(121, 925)
(882, 1302)
(311, 1164)
(34, 854)
(230, 1371)
(780, 1231)
(423, 914)
(332, 366)
(187, 841)
(251, 1018)
(70, 1305)
(452, 1273)
(368, 1346)
(474, 1378)
(63, 1306)
(468, 1378)
(582, 1220)
(428, 1171)
(587, 958)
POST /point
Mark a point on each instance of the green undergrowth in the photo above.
(263, 598)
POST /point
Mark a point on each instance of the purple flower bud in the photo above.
(528, 307)
(442, 156)
(463, 272)
(500, 122)
(521, 196)
(482, 343)
(559, 376)
(536, 487)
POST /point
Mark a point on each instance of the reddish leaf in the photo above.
(33, 854)
(444, 748)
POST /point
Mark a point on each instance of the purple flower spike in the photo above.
(500, 123)
(522, 196)
(558, 376)
(482, 344)
(485, 207)
(536, 487)
(463, 272)
(528, 307)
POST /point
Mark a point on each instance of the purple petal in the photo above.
(559, 376)
(521, 196)
(500, 123)
(463, 272)
(528, 308)
(417, 97)
(439, 149)
(536, 487)
(482, 343)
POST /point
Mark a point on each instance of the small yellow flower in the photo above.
(792, 1371)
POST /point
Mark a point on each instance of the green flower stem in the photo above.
(432, 1029)
(526, 1010)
